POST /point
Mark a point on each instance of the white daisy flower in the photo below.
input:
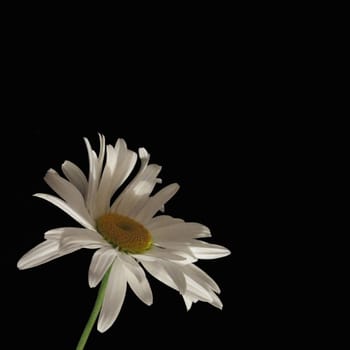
(129, 239)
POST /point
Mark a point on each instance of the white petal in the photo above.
(44, 252)
(95, 168)
(162, 221)
(160, 253)
(79, 217)
(126, 162)
(126, 198)
(138, 281)
(141, 289)
(142, 190)
(143, 257)
(133, 198)
(55, 233)
(188, 301)
(147, 181)
(40, 254)
(191, 297)
(175, 273)
(102, 148)
(66, 191)
(194, 289)
(93, 176)
(180, 249)
(201, 277)
(74, 174)
(204, 250)
(129, 263)
(186, 254)
(83, 238)
(181, 232)
(105, 186)
(202, 292)
(100, 263)
(114, 296)
(216, 301)
(144, 156)
(156, 202)
(157, 270)
(119, 164)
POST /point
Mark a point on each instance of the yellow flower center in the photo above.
(125, 233)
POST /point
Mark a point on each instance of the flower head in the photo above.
(127, 236)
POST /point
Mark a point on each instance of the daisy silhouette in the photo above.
(126, 234)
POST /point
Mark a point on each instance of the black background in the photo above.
(191, 101)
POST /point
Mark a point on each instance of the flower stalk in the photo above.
(95, 311)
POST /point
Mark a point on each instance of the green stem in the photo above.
(95, 311)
